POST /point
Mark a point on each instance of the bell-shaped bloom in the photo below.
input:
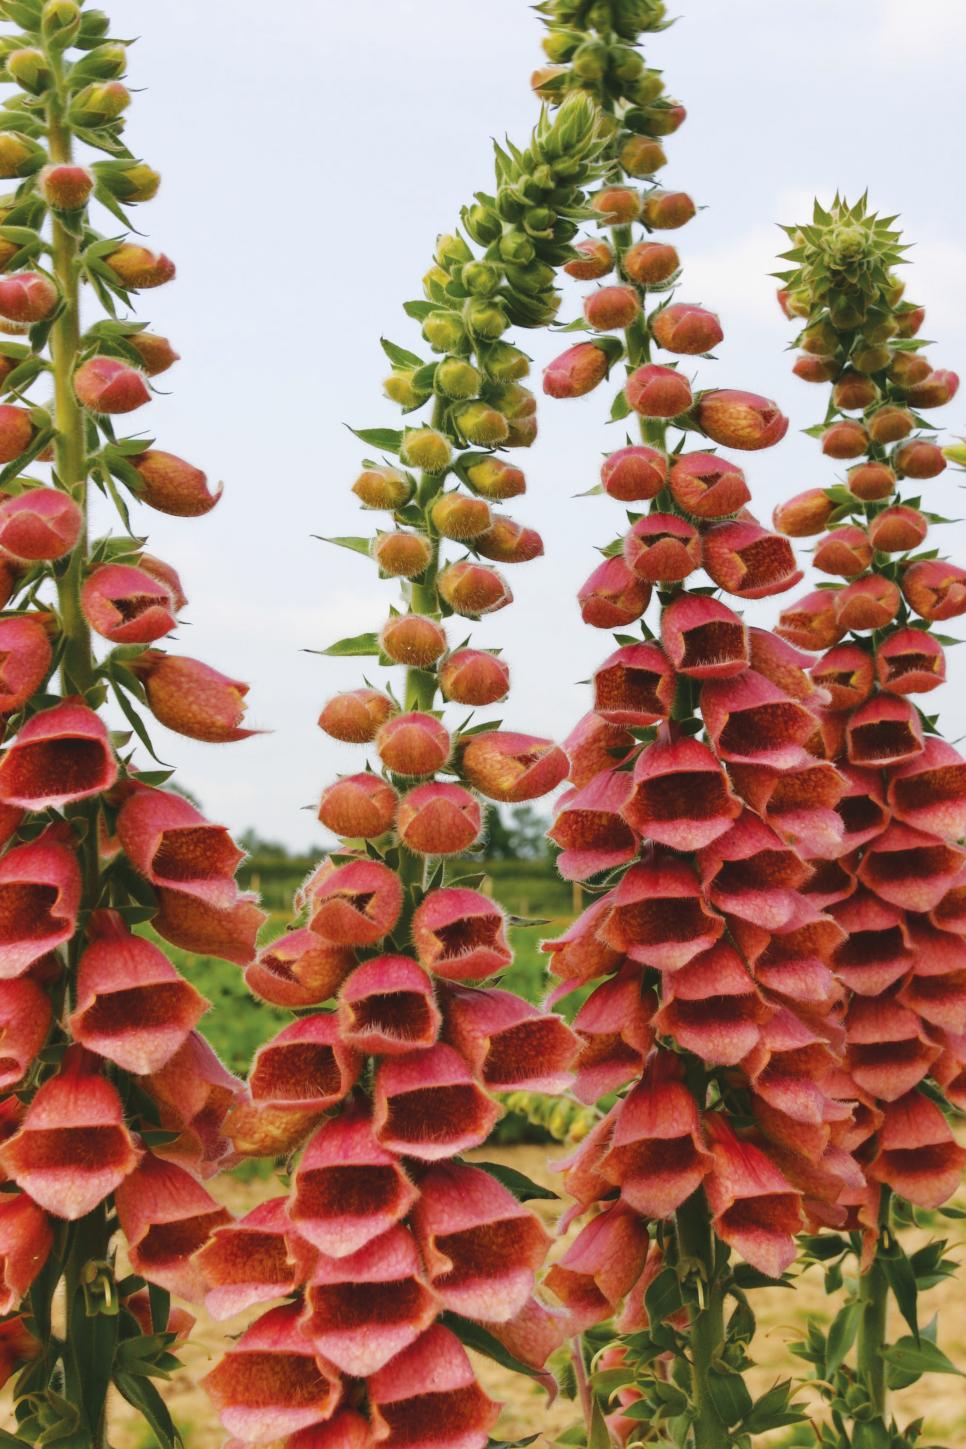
(868, 603)
(413, 745)
(792, 963)
(25, 1017)
(126, 605)
(170, 485)
(888, 1050)
(39, 525)
(268, 1129)
(712, 1007)
(751, 721)
(634, 473)
(681, 796)
(439, 818)
(167, 1216)
(594, 744)
(787, 1072)
(844, 552)
(474, 676)
(387, 1007)
(862, 808)
(306, 1065)
(460, 934)
(658, 392)
(361, 805)
(801, 805)
(532, 1335)
(831, 881)
(884, 732)
(910, 661)
(601, 1266)
(481, 1247)
(740, 420)
(249, 1261)
(936, 991)
(662, 548)
(613, 596)
(427, 1105)
(363, 1309)
(193, 699)
(348, 1189)
(40, 888)
(508, 1043)
(582, 1175)
(60, 755)
(703, 638)
(811, 622)
(910, 868)
(935, 589)
(658, 916)
(614, 1029)
(707, 486)
(591, 829)
(355, 904)
(427, 1397)
(634, 686)
(754, 1208)
(25, 658)
(783, 665)
(26, 1238)
(512, 767)
(847, 674)
(299, 970)
(877, 949)
(194, 1093)
(929, 792)
(750, 872)
(227, 932)
(72, 1147)
(173, 846)
(749, 561)
(918, 1157)
(657, 1155)
(580, 953)
(133, 1007)
(271, 1382)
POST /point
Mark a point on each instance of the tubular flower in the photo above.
(592, 828)
(193, 699)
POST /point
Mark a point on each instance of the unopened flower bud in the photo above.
(66, 187)
(170, 485)
(492, 478)
(27, 297)
(909, 321)
(804, 515)
(616, 205)
(854, 391)
(819, 340)
(658, 392)
(481, 279)
(103, 62)
(612, 309)
(427, 449)
(107, 385)
(19, 156)
(816, 369)
(687, 329)
(400, 388)
(439, 819)
(519, 408)
(355, 718)
(898, 530)
(935, 391)
(39, 525)
(871, 481)
(506, 363)
(919, 459)
(137, 268)
(650, 264)
(383, 488)
(872, 359)
(482, 223)
(506, 541)
(413, 640)
(576, 372)
(472, 589)
(456, 378)
(596, 260)
(100, 103)
(664, 120)
(60, 22)
(485, 317)
(413, 744)
(641, 156)
(935, 589)
(474, 677)
(634, 473)
(844, 552)
(359, 806)
(482, 425)
(191, 698)
(707, 486)
(459, 517)
(740, 419)
(31, 70)
(127, 605)
(444, 331)
(891, 424)
(402, 555)
(16, 432)
(908, 368)
(612, 596)
(155, 352)
(129, 182)
(667, 210)
(869, 603)
(846, 439)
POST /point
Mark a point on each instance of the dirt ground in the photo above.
(941, 1399)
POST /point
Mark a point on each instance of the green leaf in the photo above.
(773, 1411)
(599, 1436)
(474, 1336)
(902, 1280)
(359, 644)
(919, 1358)
(389, 439)
(663, 1296)
(841, 1336)
(143, 1396)
(524, 1189)
(357, 545)
(620, 408)
(730, 1396)
(398, 356)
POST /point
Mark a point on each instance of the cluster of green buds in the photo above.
(565, 1119)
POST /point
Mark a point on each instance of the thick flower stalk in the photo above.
(113, 1102)
(390, 1251)
(701, 793)
(898, 884)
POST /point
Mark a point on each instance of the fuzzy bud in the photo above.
(634, 473)
(383, 488)
(19, 156)
(474, 677)
(472, 590)
(816, 369)
(507, 541)
(658, 392)
(27, 297)
(16, 432)
(156, 353)
(740, 419)
(359, 806)
(40, 525)
(494, 479)
(66, 187)
(898, 530)
(172, 486)
(596, 259)
(413, 640)
(191, 698)
(919, 459)
(891, 424)
(137, 268)
(871, 482)
(355, 718)
(854, 391)
(616, 205)
(667, 210)
(576, 371)
(612, 309)
(413, 744)
(804, 515)
(482, 425)
(30, 68)
(401, 555)
(847, 439)
(427, 449)
(458, 517)
(708, 486)
(107, 385)
(650, 264)
(844, 552)
(686, 329)
(456, 378)
(439, 819)
(640, 156)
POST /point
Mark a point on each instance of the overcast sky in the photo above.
(311, 152)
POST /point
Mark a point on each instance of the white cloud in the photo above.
(925, 30)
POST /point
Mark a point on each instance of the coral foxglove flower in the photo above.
(40, 525)
(387, 1007)
(167, 1217)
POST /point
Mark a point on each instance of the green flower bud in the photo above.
(648, 87)
(435, 283)
(19, 156)
(130, 182)
(398, 386)
(538, 221)
(427, 449)
(871, 359)
(482, 223)
(482, 425)
(484, 317)
(60, 22)
(625, 64)
(456, 378)
(846, 313)
(510, 204)
(451, 249)
(560, 45)
(481, 278)
(590, 61)
(93, 27)
(535, 277)
(30, 69)
(100, 103)
(517, 247)
(505, 363)
(445, 332)
(103, 63)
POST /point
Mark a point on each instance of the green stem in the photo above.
(874, 1298)
(707, 1335)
